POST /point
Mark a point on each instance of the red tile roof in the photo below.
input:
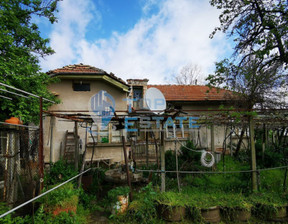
(192, 93)
(82, 69)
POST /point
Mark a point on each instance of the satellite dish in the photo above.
(155, 100)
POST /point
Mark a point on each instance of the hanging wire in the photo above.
(199, 151)
(213, 172)
(203, 160)
(20, 125)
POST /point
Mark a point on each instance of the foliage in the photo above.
(60, 172)
(41, 217)
(98, 181)
(272, 180)
(252, 83)
(88, 201)
(259, 28)
(154, 177)
(233, 201)
(8, 218)
(117, 191)
(21, 44)
(187, 159)
(234, 182)
(142, 209)
(171, 198)
(63, 196)
(266, 204)
(274, 156)
(191, 159)
(258, 70)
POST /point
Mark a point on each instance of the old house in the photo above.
(80, 89)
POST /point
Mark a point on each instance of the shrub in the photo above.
(64, 196)
(60, 172)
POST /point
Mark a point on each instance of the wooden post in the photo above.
(266, 136)
(253, 154)
(40, 152)
(263, 142)
(162, 149)
(231, 145)
(52, 120)
(156, 149)
(147, 147)
(177, 167)
(212, 139)
(212, 143)
(127, 168)
(83, 157)
(6, 179)
(76, 146)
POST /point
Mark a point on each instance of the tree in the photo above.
(259, 28)
(20, 47)
(252, 83)
(260, 32)
(189, 75)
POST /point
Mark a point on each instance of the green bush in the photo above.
(234, 182)
(117, 191)
(142, 209)
(60, 172)
(267, 203)
(272, 180)
(41, 217)
(98, 181)
(187, 159)
(63, 196)
(8, 218)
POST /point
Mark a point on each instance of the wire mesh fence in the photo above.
(18, 163)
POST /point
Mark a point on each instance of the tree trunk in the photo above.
(240, 141)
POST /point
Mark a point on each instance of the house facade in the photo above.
(82, 87)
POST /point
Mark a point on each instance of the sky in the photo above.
(139, 39)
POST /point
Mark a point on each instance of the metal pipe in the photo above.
(19, 125)
(40, 153)
(41, 195)
(5, 97)
(22, 91)
(17, 94)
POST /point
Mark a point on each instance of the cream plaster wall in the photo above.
(79, 100)
(73, 100)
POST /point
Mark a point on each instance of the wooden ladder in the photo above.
(69, 147)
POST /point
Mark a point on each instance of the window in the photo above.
(109, 134)
(170, 131)
(81, 86)
(137, 96)
(179, 131)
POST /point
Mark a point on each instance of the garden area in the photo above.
(198, 194)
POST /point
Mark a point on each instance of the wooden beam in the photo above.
(76, 146)
(127, 168)
(253, 154)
